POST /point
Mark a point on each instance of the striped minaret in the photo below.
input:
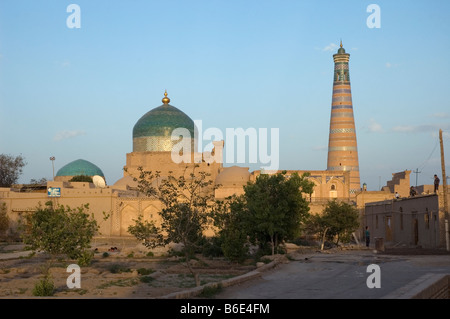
(342, 146)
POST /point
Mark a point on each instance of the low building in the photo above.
(409, 221)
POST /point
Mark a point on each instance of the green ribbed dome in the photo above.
(79, 167)
(161, 121)
(153, 131)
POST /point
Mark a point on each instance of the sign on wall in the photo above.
(54, 192)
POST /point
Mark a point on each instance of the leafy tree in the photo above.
(340, 219)
(276, 207)
(271, 211)
(10, 169)
(60, 230)
(187, 202)
(147, 232)
(230, 220)
(317, 224)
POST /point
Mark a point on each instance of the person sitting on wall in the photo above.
(412, 191)
(436, 183)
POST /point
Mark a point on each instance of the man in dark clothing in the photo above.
(367, 235)
(436, 183)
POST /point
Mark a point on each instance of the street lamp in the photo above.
(53, 166)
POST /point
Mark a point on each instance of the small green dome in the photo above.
(153, 131)
(80, 167)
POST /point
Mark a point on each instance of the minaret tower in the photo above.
(342, 146)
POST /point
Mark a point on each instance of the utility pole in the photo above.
(53, 166)
(444, 185)
(417, 173)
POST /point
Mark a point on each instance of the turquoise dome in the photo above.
(80, 167)
(153, 131)
(161, 121)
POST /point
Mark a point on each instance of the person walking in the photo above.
(367, 235)
(436, 183)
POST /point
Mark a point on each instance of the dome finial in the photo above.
(341, 43)
(165, 99)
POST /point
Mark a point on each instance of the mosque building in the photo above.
(152, 150)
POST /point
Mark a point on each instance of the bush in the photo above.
(44, 287)
(144, 271)
(210, 291)
(146, 279)
(86, 258)
(212, 247)
(118, 269)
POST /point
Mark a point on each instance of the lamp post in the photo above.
(53, 166)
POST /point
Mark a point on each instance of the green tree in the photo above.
(187, 202)
(230, 221)
(10, 169)
(317, 224)
(147, 232)
(276, 207)
(271, 210)
(340, 219)
(60, 230)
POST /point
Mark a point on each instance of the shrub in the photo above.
(44, 287)
(86, 258)
(146, 279)
(118, 269)
(210, 291)
(144, 271)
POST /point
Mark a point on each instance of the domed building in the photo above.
(153, 131)
(77, 168)
(155, 150)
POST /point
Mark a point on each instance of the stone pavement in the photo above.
(344, 275)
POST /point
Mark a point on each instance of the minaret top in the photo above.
(165, 99)
(341, 49)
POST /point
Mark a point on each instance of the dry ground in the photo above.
(129, 273)
(126, 273)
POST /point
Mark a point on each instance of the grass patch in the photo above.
(118, 269)
(211, 291)
(145, 271)
(146, 279)
(120, 283)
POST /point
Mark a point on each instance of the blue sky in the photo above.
(77, 92)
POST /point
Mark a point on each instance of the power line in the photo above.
(422, 166)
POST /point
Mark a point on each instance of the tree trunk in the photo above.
(323, 238)
(273, 245)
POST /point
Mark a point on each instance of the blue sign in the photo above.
(54, 192)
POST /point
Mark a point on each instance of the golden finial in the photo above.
(341, 43)
(165, 99)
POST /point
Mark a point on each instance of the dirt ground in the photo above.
(129, 272)
(123, 273)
